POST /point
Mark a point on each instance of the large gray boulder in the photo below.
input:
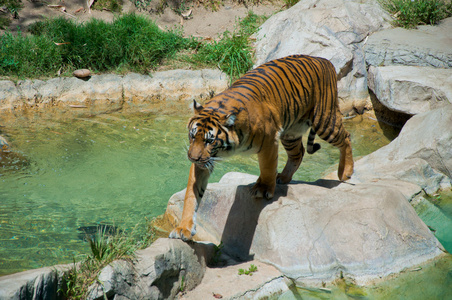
(43, 283)
(411, 90)
(315, 232)
(421, 154)
(161, 271)
(333, 29)
(410, 70)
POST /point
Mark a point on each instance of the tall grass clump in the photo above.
(411, 13)
(131, 43)
(232, 53)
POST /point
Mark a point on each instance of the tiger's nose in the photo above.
(193, 158)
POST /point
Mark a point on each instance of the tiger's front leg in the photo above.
(197, 183)
(268, 163)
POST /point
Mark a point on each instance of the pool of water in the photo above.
(112, 169)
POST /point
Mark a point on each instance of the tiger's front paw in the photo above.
(261, 190)
(183, 233)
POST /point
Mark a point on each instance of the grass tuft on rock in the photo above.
(105, 248)
(411, 13)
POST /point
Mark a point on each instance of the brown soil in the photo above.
(203, 22)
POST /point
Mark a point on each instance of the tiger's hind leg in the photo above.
(336, 135)
(345, 169)
(295, 152)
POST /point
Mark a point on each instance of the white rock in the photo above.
(409, 89)
(421, 154)
(313, 233)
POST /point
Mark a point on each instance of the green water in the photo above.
(111, 169)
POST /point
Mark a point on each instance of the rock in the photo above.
(9, 96)
(332, 29)
(171, 87)
(421, 154)
(428, 46)
(411, 90)
(113, 279)
(315, 232)
(266, 283)
(41, 283)
(71, 97)
(160, 271)
(82, 73)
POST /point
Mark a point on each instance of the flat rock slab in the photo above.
(411, 90)
(428, 46)
(315, 233)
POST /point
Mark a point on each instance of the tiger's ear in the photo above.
(230, 120)
(197, 107)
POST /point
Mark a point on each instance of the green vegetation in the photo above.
(411, 13)
(111, 5)
(105, 249)
(250, 270)
(12, 7)
(290, 3)
(232, 53)
(130, 43)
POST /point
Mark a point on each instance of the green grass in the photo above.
(105, 249)
(131, 43)
(411, 13)
(232, 53)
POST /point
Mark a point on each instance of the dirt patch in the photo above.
(202, 22)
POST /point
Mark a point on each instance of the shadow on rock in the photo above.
(242, 221)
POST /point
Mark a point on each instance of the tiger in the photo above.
(279, 100)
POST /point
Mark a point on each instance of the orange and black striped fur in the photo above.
(280, 99)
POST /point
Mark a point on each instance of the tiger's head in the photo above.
(211, 135)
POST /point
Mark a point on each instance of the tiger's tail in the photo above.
(312, 147)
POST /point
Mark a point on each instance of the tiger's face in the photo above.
(211, 136)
